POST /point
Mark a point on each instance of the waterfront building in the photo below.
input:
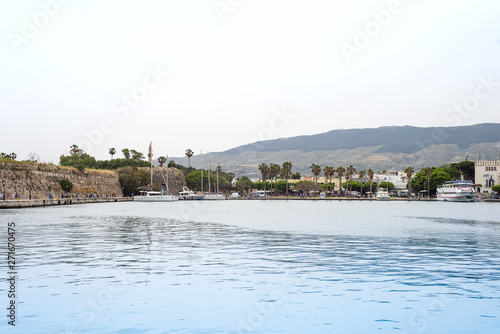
(398, 178)
(487, 174)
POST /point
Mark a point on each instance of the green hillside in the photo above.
(396, 139)
(381, 148)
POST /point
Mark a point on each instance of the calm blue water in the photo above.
(256, 267)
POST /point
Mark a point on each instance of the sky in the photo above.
(212, 75)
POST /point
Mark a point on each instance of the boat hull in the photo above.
(191, 198)
(455, 198)
(383, 198)
(214, 197)
(163, 198)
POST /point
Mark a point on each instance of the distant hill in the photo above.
(391, 147)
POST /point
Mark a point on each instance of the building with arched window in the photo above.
(487, 175)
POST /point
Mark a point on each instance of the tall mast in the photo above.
(150, 156)
(168, 190)
(201, 168)
(209, 172)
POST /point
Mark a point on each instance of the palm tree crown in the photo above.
(340, 172)
(315, 169)
(112, 151)
(189, 154)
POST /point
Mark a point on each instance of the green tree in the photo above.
(75, 150)
(287, 169)
(66, 185)
(305, 186)
(295, 176)
(409, 174)
(340, 172)
(274, 170)
(496, 188)
(138, 156)
(315, 169)
(350, 173)
(131, 178)
(244, 184)
(457, 170)
(361, 175)
(437, 177)
(13, 156)
(112, 151)
(329, 173)
(428, 172)
(264, 170)
(189, 154)
(126, 153)
(370, 174)
(162, 160)
(387, 185)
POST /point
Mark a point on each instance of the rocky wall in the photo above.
(40, 180)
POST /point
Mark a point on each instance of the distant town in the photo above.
(130, 175)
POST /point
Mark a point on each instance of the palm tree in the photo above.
(370, 174)
(189, 154)
(287, 170)
(274, 172)
(361, 176)
(112, 151)
(428, 172)
(162, 160)
(409, 172)
(315, 169)
(350, 172)
(264, 170)
(340, 172)
(329, 172)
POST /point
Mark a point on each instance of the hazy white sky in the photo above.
(211, 75)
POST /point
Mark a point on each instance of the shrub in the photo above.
(66, 185)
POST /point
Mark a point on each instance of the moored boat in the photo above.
(383, 195)
(155, 196)
(456, 191)
(189, 195)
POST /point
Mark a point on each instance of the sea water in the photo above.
(254, 267)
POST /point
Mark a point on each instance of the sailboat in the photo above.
(155, 196)
(216, 195)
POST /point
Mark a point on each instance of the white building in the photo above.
(487, 175)
(398, 178)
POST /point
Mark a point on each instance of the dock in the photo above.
(26, 203)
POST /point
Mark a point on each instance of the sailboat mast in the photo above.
(209, 172)
(201, 168)
(217, 177)
(150, 156)
(168, 190)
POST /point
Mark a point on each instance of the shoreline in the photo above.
(10, 204)
(33, 203)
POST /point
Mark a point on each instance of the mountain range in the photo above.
(388, 147)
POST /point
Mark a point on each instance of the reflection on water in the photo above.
(113, 272)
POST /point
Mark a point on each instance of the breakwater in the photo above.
(59, 201)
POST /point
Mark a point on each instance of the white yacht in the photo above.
(383, 195)
(189, 195)
(155, 196)
(456, 191)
